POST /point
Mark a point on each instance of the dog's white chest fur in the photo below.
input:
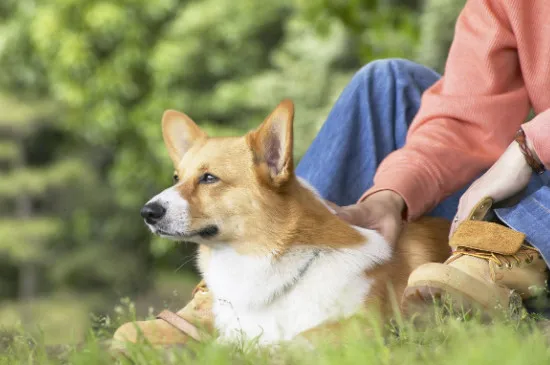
(275, 299)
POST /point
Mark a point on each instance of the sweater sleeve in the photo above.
(467, 119)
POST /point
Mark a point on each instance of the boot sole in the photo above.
(420, 300)
(423, 299)
(437, 282)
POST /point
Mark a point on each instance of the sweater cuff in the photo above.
(418, 194)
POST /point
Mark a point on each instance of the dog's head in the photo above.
(225, 189)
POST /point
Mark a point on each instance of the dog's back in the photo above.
(421, 242)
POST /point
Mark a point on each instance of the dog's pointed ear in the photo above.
(272, 143)
(179, 133)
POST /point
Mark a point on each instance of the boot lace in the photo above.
(525, 253)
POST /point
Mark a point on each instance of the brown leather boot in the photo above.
(191, 323)
(491, 267)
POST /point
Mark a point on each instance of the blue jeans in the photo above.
(370, 120)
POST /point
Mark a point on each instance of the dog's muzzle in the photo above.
(152, 212)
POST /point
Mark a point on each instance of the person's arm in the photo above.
(467, 119)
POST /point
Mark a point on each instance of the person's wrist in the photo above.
(533, 152)
(522, 163)
(524, 146)
(394, 199)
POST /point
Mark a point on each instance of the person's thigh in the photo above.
(369, 120)
(531, 215)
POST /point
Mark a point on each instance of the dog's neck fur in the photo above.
(297, 217)
(318, 260)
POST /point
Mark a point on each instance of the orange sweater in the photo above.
(498, 68)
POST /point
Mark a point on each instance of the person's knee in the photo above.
(383, 66)
(388, 69)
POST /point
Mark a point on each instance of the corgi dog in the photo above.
(277, 260)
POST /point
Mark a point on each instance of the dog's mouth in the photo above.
(205, 233)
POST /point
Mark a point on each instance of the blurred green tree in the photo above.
(382, 28)
(50, 186)
(437, 25)
(25, 228)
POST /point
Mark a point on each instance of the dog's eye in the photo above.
(175, 178)
(208, 179)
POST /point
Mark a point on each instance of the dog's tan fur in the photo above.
(263, 208)
(421, 242)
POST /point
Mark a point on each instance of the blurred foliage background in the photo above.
(83, 84)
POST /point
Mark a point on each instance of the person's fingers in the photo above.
(391, 231)
(336, 208)
(350, 214)
(345, 215)
(387, 227)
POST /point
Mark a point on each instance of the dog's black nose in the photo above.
(152, 212)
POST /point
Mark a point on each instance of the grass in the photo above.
(63, 318)
(448, 339)
(45, 314)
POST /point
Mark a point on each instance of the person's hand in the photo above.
(381, 211)
(508, 176)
